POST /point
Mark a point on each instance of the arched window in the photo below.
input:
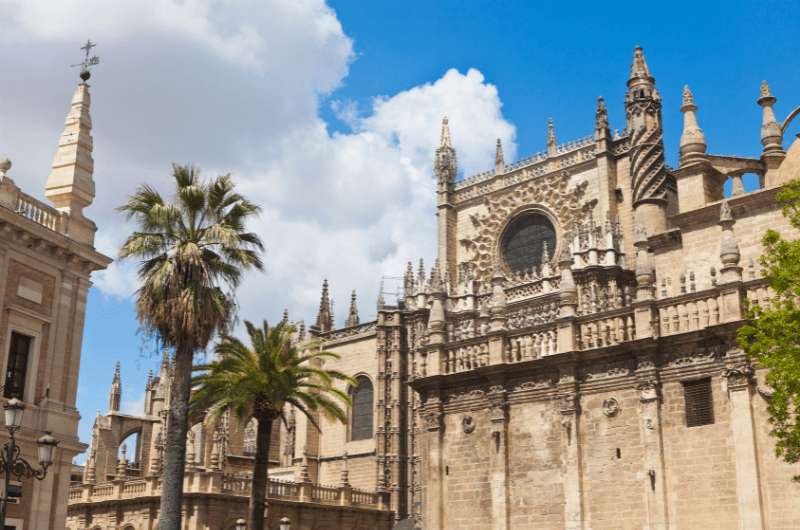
(249, 442)
(361, 414)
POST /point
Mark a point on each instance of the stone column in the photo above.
(573, 486)
(739, 379)
(654, 480)
(498, 456)
(434, 491)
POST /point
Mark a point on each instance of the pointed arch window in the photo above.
(361, 415)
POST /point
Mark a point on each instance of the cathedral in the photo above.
(569, 361)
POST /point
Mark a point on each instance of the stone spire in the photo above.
(381, 300)
(551, 138)
(644, 266)
(771, 133)
(499, 160)
(445, 165)
(408, 281)
(651, 181)
(162, 390)
(115, 394)
(421, 276)
(352, 316)
(601, 117)
(693, 141)
(324, 321)
(70, 185)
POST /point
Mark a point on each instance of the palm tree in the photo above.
(258, 381)
(192, 251)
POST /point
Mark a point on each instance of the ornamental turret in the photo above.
(651, 182)
(445, 165)
(352, 316)
(771, 133)
(324, 322)
(693, 141)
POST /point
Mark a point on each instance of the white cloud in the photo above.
(236, 87)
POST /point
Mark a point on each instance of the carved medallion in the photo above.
(611, 407)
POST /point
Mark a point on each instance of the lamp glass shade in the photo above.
(13, 413)
(47, 446)
(241, 524)
(285, 523)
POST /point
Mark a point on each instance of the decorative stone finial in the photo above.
(499, 160)
(352, 316)
(115, 393)
(771, 132)
(693, 142)
(688, 99)
(639, 67)
(444, 137)
(551, 137)
(324, 321)
(601, 115)
(5, 165)
(445, 165)
(729, 253)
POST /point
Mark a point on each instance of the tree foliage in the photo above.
(772, 337)
(192, 251)
(258, 381)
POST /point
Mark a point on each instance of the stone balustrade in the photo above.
(14, 199)
(690, 312)
(237, 485)
(522, 340)
(607, 330)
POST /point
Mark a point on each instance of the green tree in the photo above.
(772, 337)
(192, 252)
(258, 381)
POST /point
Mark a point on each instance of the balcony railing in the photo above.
(238, 485)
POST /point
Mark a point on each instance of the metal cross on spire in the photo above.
(88, 61)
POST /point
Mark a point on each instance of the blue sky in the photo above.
(328, 115)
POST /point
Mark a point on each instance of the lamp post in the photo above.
(241, 524)
(12, 463)
(286, 524)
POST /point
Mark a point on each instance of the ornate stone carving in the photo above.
(551, 194)
(468, 424)
(648, 390)
(432, 419)
(738, 377)
(611, 407)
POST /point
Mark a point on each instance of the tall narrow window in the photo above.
(361, 417)
(699, 403)
(17, 367)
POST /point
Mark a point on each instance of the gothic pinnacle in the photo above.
(601, 115)
(352, 316)
(693, 142)
(499, 161)
(771, 132)
(444, 137)
(324, 321)
(551, 137)
(639, 67)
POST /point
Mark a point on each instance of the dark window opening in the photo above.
(17, 367)
(524, 241)
(361, 420)
(699, 403)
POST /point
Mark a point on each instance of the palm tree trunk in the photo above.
(175, 449)
(258, 492)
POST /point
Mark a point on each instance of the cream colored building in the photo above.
(569, 361)
(47, 255)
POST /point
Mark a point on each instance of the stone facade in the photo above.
(46, 258)
(569, 361)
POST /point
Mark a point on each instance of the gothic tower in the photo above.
(651, 182)
(445, 167)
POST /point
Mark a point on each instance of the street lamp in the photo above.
(286, 524)
(11, 463)
(241, 524)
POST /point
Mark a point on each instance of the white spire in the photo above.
(70, 186)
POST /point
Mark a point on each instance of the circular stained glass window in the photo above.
(524, 240)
